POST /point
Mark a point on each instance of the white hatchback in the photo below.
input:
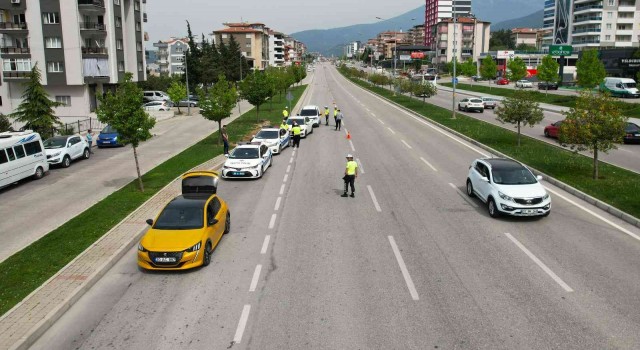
(63, 149)
(524, 84)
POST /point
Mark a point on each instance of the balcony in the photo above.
(16, 75)
(625, 20)
(15, 51)
(442, 45)
(587, 9)
(91, 6)
(586, 30)
(588, 18)
(10, 27)
(144, 17)
(95, 51)
(95, 27)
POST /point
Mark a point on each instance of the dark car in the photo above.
(108, 137)
(631, 133)
(547, 85)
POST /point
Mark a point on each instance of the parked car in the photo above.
(631, 133)
(553, 129)
(108, 137)
(502, 81)
(249, 160)
(547, 85)
(313, 112)
(148, 96)
(274, 138)
(471, 104)
(156, 106)
(192, 101)
(61, 150)
(507, 187)
(305, 124)
(489, 102)
(524, 84)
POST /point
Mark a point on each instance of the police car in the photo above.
(276, 139)
(249, 160)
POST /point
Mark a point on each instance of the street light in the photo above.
(186, 70)
(454, 80)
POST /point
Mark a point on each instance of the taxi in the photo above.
(188, 228)
(249, 160)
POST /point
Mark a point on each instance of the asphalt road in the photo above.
(410, 263)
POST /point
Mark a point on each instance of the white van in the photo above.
(620, 87)
(149, 96)
(21, 155)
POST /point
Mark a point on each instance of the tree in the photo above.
(36, 109)
(217, 102)
(255, 89)
(548, 71)
(520, 109)
(595, 124)
(424, 90)
(518, 69)
(158, 83)
(123, 111)
(192, 59)
(177, 92)
(467, 68)
(488, 69)
(501, 40)
(5, 124)
(590, 70)
(526, 47)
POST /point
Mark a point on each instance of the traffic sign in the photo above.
(560, 50)
(289, 96)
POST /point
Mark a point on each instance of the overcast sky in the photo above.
(167, 17)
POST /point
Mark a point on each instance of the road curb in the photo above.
(572, 190)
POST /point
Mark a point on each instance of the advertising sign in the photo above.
(629, 62)
(560, 50)
(405, 57)
(505, 54)
(417, 55)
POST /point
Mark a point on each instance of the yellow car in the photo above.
(187, 230)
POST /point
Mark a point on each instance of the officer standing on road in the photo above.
(285, 113)
(350, 174)
(326, 115)
(339, 117)
(284, 125)
(296, 135)
(335, 112)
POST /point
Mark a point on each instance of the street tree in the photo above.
(548, 71)
(193, 57)
(177, 92)
(255, 88)
(218, 101)
(424, 90)
(520, 109)
(123, 111)
(590, 70)
(5, 124)
(595, 124)
(36, 109)
(488, 69)
(517, 68)
(467, 68)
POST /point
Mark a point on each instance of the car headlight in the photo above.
(505, 197)
(56, 154)
(141, 248)
(545, 197)
(195, 247)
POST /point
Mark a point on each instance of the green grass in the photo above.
(628, 109)
(617, 187)
(26, 270)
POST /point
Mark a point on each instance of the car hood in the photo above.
(242, 163)
(52, 151)
(171, 240)
(107, 136)
(522, 191)
(267, 141)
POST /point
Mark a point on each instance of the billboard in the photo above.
(417, 55)
(505, 54)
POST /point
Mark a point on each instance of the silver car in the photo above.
(489, 102)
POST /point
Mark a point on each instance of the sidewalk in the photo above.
(24, 323)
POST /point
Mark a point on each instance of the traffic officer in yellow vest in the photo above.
(335, 113)
(296, 134)
(326, 115)
(285, 113)
(350, 174)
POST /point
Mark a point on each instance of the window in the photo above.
(223, 36)
(118, 22)
(17, 65)
(51, 18)
(19, 151)
(10, 154)
(55, 67)
(65, 100)
(53, 42)
(249, 36)
(609, 14)
(119, 44)
(179, 49)
(19, 18)
(607, 37)
(608, 25)
(138, 26)
(139, 46)
(140, 67)
(116, 2)
(120, 66)
(612, 2)
(31, 148)
(3, 157)
(136, 5)
(214, 208)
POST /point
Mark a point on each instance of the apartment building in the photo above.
(437, 10)
(351, 50)
(592, 23)
(387, 41)
(471, 37)
(253, 39)
(416, 35)
(82, 47)
(170, 55)
(276, 49)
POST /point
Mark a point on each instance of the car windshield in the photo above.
(267, 134)
(180, 218)
(475, 100)
(629, 85)
(108, 130)
(244, 153)
(513, 176)
(630, 128)
(55, 142)
(308, 112)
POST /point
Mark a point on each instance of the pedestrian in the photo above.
(225, 139)
(339, 117)
(350, 174)
(326, 115)
(90, 140)
(296, 135)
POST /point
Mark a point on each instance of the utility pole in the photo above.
(453, 80)
(186, 70)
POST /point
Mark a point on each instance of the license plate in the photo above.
(238, 173)
(106, 141)
(529, 211)
(166, 259)
(638, 135)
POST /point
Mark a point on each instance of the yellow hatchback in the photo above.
(187, 230)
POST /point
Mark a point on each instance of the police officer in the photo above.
(350, 174)
(326, 115)
(284, 125)
(296, 134)
(285, 113)
(335, 112)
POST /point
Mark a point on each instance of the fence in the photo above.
(79, 126)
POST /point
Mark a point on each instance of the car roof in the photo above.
(194, 200)
(502, 163)
(250, 145)
(270, 129)
(310, 107)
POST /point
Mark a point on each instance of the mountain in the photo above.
(533, 20)
(331, 41)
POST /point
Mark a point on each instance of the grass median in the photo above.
(628, 109)
(26, 270)
(616, 186)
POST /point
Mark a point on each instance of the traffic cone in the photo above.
(348, 135)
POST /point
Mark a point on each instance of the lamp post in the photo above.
(453, 80)
(186, 71)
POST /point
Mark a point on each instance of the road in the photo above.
(409, 263)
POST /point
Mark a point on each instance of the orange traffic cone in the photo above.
(348, 135)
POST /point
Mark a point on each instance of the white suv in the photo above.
(471, 104)
(63, 149)
(313, 112)
(507, 187)
(524, 84)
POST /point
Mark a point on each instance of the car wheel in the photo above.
(470, 188)
(546, 134)
(192, 105)
(66, 161)
(227, 223)
(206, 259)
(39, 173)
(459, 108)
(493, 210)
(86, 154)
(279, 148)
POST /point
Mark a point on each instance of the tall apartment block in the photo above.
(82, 48)
(276, 48)
(170, 55)
(437, 10)
(592, 23)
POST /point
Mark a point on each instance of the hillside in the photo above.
(533, 20)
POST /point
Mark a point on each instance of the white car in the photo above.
(156, 106)
(471, 104)
(248, 160)
(524, 84)
(305, 124)
(276, 139)
(313, 112)
(63, 149)
(508, 188)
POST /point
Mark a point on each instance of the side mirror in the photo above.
(226, 156)
(253, 136)
(484, 179)
(539, 177)
(150, 222)
(213, 222)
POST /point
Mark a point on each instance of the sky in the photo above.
(166, 18)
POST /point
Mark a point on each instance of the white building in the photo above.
(170, 56)
(82, 48)
(276, 49)
(352, 49)
(471, 38)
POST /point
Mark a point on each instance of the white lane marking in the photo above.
(403, 268)
(429, 164)
(272, 222)
(393, 132)
(464, 195)
(360, 165)
(540, 263)
(291, 160)
(624, 230)
(346, 132)
(286, 176)
(288, 168)
(381, 122)
(254, 280)
(265, 244)
(373, 115)
(282, 189)
(353, 148)
(244, 317)
(277, 206)
(373, 198)
(406, 144)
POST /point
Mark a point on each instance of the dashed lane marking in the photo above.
(272, 222)
(256, 277)
(429, 164)
(403, 268)
(265, 244)
(244, 317)
(373, 198)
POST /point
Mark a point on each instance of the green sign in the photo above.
(560, 50)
